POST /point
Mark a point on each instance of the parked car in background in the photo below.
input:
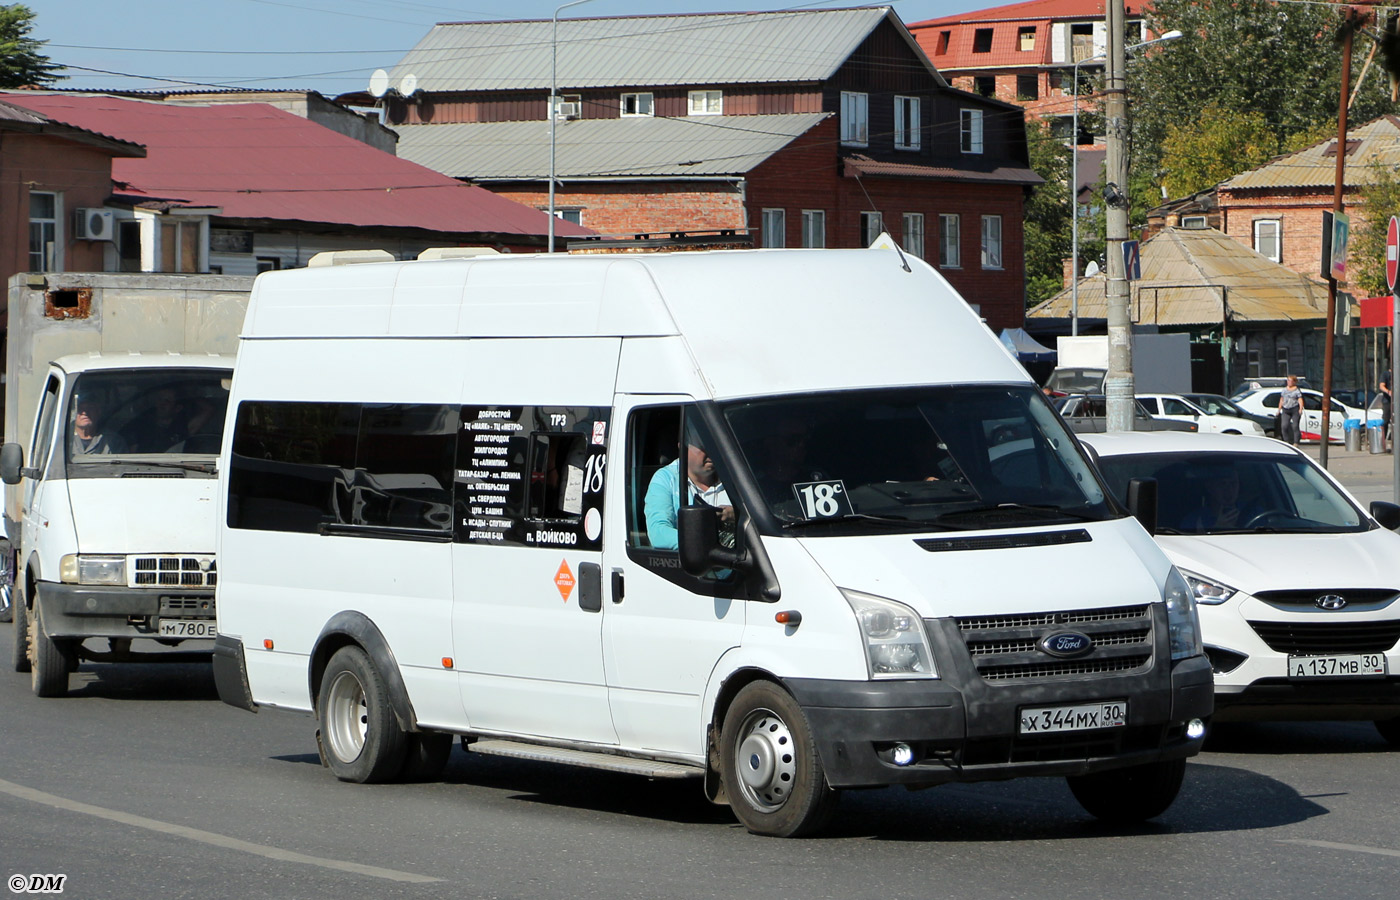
(1254, 384)
(1297, 594)
(1075, 380)
(1220, 405)
(1265, 402)
(1089, 412)
(1178, 408)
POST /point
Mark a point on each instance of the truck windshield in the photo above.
(925, 458)
(126, 413)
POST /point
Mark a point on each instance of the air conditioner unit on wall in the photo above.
(94, 225)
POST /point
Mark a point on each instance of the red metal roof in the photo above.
(1034, 9)
(254, 161)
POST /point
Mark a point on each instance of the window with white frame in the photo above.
(971, 130)
(573, 215)
(706, 103)
(907, 130)
(1268, 239)
(855, 118)
(774, 228)
(43, 232)
(913, 242)
(991, 242)
(1193, 221)
(637, 105)
(871, 224)
(814, 228)
(949, 241)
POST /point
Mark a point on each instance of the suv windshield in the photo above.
(942, 458)
(119, 414)
(1236, 493)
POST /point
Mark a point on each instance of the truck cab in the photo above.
(114, 519)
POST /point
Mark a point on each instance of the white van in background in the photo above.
(453, 506)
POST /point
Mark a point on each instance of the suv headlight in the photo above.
(78, 568)
(1206, 591)
(895, 643)
(1183, 624)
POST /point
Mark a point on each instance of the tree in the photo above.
(1279, 61)
(1366, 255)
(21, 63)
(1047, 226)
(1220, 143)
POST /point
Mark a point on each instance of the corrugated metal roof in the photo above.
(1377, 144)
(863, 165)
(18, 118)
(717, 48)
(1185, 274)
(254, 161)
(643, 147)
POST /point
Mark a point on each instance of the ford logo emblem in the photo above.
(1330, 601)
(1066, 644)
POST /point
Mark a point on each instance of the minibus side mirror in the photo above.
(1142, 502)
(1387, 514)
(11, 463)
(699, 541)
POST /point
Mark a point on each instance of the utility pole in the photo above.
(1118, 383)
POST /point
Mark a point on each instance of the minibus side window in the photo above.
(558, 469)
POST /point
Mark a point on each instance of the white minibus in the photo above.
(789, 522)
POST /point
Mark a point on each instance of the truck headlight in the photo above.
(1207, 591)
(79, 568)
(895, 643)
(1183, 623)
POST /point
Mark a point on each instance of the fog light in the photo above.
(902, 754)
(1195, 729)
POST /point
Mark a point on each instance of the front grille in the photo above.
(1358, 599)
(178, 607)
(1328, 637)
(1006, 648)
(172, 571)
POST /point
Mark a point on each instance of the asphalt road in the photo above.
(142, 784)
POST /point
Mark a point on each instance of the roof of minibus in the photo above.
(94, 361)
(754, 321)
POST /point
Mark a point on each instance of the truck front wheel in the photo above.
(1133, 794)
(52, 660)
(769, 763)
(362, 739)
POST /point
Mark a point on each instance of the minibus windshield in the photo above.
(158, 415)
(955, 457)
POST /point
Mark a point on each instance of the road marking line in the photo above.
(1354, 848)
(207, 837)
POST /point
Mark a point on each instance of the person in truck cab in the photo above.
(88, 435)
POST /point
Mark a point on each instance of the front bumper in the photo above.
(83, 611)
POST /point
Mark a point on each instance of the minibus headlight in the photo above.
(1183, 623)
(1207, 591)
(78, 568)
(895, 643)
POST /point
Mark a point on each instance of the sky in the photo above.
(330, 46)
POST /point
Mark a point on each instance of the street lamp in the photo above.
(554, 107)
(1074, 178)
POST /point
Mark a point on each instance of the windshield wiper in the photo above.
(1040, 509)
(110, 461)
(902, 521)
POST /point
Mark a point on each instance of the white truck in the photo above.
(1161, 363)
(114, 405)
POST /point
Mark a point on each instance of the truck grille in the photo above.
(1328, 637)
(1005, 648)
(172, 571)
(178, 607)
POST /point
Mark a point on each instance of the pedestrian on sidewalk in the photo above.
(1385, 403)
(1290, 412)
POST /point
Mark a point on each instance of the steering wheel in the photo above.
(1261, 516)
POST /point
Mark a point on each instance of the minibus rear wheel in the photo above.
(1132, 794)
(769, 763)
(361, 736)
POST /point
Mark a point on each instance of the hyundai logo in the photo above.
(1330, 601)
(1066, 644)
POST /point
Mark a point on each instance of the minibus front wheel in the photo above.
(768, 760)
(363, 741)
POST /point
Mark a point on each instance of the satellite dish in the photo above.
(409, 85)
(379, 83)
(1091, 269)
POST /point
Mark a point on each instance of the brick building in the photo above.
(800, 128)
